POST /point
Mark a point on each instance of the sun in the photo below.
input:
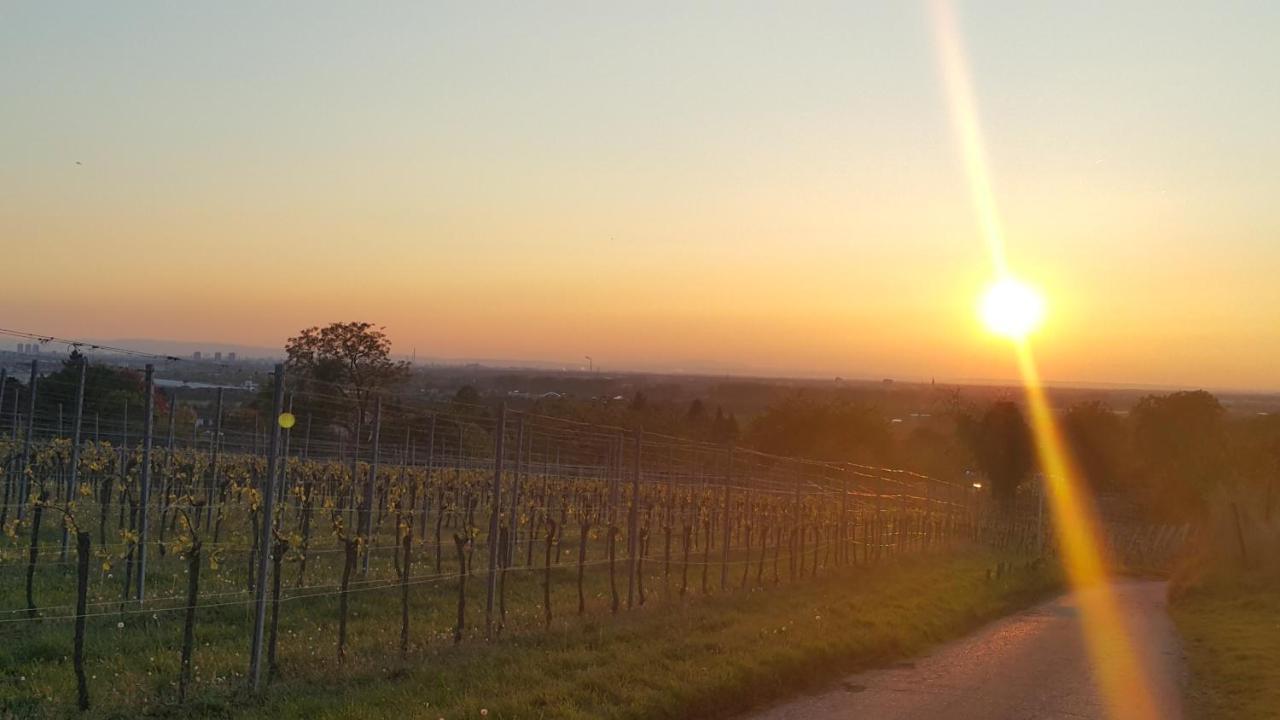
(1012, 308)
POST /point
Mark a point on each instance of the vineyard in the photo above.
(369, 529)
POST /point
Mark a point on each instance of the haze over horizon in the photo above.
(726, 185)
(182, 349)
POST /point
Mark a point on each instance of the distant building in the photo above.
(196, 355)
(217, 356)
(231, 357)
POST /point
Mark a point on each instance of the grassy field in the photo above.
(698, 657)
(1231, 633)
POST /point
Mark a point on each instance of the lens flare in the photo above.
(1012, 308)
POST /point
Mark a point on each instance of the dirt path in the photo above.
(1029, 665)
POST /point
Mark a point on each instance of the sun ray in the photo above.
(1013, 312)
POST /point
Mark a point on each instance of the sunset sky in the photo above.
(740, 186)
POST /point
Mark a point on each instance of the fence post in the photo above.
(1040, 515)
(900, 525)
(167, 487)
(75, 451)
(515, 495)
(633, 530)
(426, 482)
(728, 500)
(495, 519)
(842, 550)
(24, 485)
(613, 467)
(796, 529)
(144, 483)
(264, 543)
(8, 471)
(286, 485)
(926, 537)
(216, 444)
(877, 525)
(366, 513)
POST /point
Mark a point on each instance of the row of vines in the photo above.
(426, 527)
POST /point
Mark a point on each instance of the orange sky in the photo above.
(732, 187)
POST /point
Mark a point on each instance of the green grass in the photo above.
(1231, 633)
(700, 657)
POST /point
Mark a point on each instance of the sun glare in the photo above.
(1012, 308)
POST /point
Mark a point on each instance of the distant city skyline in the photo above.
(183, 350)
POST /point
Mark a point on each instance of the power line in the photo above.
(77, 344)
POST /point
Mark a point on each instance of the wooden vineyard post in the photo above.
(878, 520)
(953, 501)
(166, 484)
(366, 512)
(1040, 515)
(900, 525)
(8, 472)
(144, 483)
(75, 451)
(728, 500)
(543, 505)
(82, 586)
(189, 619)
(495, 498)
(633, 529)
(546, 572)
(842, 549)
(351, 504)
(460, 544)
(264, 542)
(212, 492)
(748, 521)
(24, 485)
(926, 536)
(614, 470)
(514, 522)
(426, 481)
(284, 491)
(795, 531)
